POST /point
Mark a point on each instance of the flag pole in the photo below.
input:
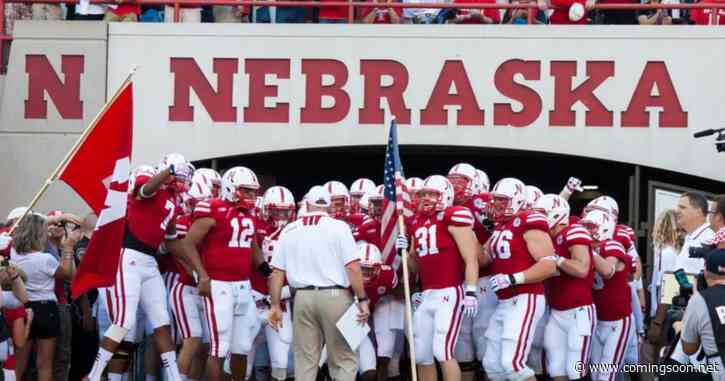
(64, 163)
(408, 310)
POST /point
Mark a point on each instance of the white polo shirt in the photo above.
(314, 250)
(694, 239)
(40, 269)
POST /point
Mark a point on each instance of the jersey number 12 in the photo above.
(242, 232)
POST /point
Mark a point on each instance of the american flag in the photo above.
(396, 198)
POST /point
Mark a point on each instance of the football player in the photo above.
(340, 207)
(568, 332)
(210, 177)
(612, 295)
(522, 258)
(226, 231)
(358, 188)
(152, 208)
(444, 254)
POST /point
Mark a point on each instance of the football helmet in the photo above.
(555, 207)
(184, 169)
(414, 184)
(240, 185)
(599, 223)
(199, 190)
(484, 184)
(533, 194)
(340, 198)
(279, 205)
(370, 260)
(145, 170)
(463, 177)
(508, 197)
(606, 204)
(436, 194)
(375, 202)
(210, 177)
(357, 190)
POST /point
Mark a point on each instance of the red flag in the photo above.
(99, 173)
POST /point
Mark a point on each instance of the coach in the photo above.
(319, 257)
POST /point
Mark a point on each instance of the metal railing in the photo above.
(350, 4)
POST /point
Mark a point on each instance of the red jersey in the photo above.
(382, 14)
(706, 17)
(510, 254)
(355, 220)
(440, 264)
(565, 291)
(259, 282)
(333, 13)
(183, 223)
(561, 12)
(623, 234)
(381, 285)
(479, 205)
(490, 12)
(227, 248)
(147, 219)
(613, 296)
(370, 232)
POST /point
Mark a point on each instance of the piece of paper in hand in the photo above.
(351, 329)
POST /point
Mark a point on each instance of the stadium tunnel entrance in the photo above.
(631, 185)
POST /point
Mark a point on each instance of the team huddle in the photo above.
(502, 276)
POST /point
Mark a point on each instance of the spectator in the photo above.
(122, 12)
(187, 13)
(333, 15)
(691, 212)
(667, 242)
(41, 269)
(381, 14)
(420, 15)
(229, 13)
(47, 12)
(717, 221)
(520, 15)
(654, 16)
(706, 16)
(84, 10)
(562, 10)
(57, 224)
(618, 17)
(477, 16)
(280, 15)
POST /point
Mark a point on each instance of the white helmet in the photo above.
(211, 177)
(200, 189)
(441, 185)
(361, 186)
(533, 194)
(146, 170)
(366, 202)
(512, 189)
(338, 190)
(468, 172)
(605, 204)
(484, 184)
(235, 178)
(370, 255)
(278, 205)
(602, 222)
(179, 162)
(413, 184)
(555, 207)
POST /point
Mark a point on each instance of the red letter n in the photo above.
(43, 79)
(188, 75)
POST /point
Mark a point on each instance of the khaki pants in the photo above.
(185, 14)
(46, 12)
(112, 17)
(315, 314)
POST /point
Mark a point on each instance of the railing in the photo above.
(350, 4)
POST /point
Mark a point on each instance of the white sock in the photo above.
(124, 377)
(115, 376)
(183, 377)
(102, 358)
(169, 366)
(8, 375)
(150, 377)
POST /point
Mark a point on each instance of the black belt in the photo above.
(322, 288)
(131, 242)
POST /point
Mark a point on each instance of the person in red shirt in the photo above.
(444, 254)
(573, 315)
(522, 258)
(477, 16)
(333, 14)
(380, 13)
(151, 213)
(226, 230)
(708, 16)
(612, 296)
(124, 11)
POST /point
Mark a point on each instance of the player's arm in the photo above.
(412, 257)
(150, 187)
(187, 247)
(542, 250)
(484, 255)
(606, 267)
(578, 265)
(470, 251)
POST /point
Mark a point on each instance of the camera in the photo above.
(701, 252)
(679, 302)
